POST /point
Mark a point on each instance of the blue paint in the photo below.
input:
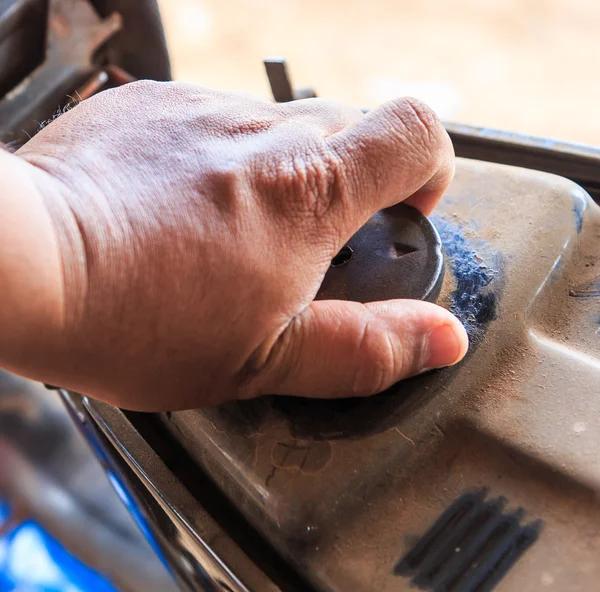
(137, 515)
(4, 513)
(32, 560)
(472, 301)
(580, 205)
(122, 491)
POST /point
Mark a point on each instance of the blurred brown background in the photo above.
(531, 66)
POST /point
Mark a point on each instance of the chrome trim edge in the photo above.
(179, 528)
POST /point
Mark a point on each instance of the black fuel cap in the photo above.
(396, 254)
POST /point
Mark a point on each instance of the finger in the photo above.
(398, 151)
(427, 197)
(327, 114)
(338, 348)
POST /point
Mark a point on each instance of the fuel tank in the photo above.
(481, 475)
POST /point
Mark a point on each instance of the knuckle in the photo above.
(333, 114)
(419, 124)
(379, 361)
(322, 177)
(225, 179)
(305, 181)
(422, 115)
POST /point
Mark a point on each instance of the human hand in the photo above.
(195, 228)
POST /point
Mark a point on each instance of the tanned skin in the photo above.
(161, 245)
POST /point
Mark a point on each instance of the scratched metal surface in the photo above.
(342, 488)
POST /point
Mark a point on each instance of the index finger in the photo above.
(397, 152)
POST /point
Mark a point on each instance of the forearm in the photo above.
(30, 270)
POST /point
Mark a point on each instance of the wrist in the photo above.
(32, 313)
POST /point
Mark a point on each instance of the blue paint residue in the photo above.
(32, 560)
(580, 205)
(472, 301)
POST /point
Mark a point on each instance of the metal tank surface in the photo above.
(481, 476)
(344, 489)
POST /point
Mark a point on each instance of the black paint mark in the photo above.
(471, 546)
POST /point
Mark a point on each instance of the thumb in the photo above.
(337, 348)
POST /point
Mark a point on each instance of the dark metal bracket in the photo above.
(281, 83)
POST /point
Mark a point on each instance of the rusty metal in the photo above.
(74, 34)
(140, 46)
(109, 77)
(95, 84)
(396, 254)
(118, 76)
